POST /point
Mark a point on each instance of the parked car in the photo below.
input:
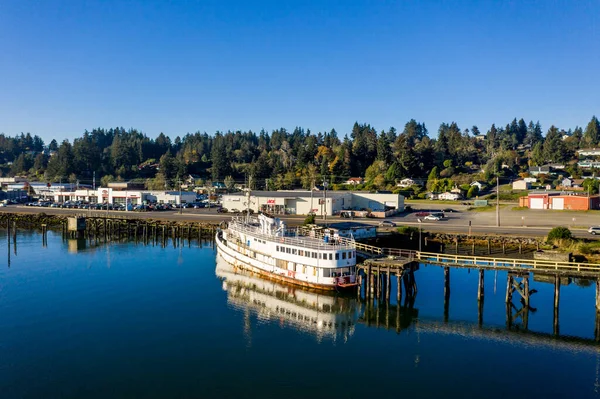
(594, 230)
(387, 223)
(234, 210)
(221, 210)
(421, 214)
(433, 217)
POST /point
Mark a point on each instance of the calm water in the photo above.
(135, 321)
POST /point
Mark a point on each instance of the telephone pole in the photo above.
(324, 200)
(312, 189)
(497, 201)
(180, 202)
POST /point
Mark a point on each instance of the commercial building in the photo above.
(328, 203)
(133, 197)
(560, 201)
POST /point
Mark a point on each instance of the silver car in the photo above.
(594, 230)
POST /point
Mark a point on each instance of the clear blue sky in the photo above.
(183, 66)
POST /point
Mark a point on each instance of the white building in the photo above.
(133, 197)
(589, 152)
(407, 182)
(449, 196)
(301, 202)
(521, 185)
(477, 184)
(355, 181)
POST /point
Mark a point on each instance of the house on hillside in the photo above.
(407, 182)
(477, 184)
(540, 170)
(521, 185)
(355, 181)
(450, 196)
(589, 152)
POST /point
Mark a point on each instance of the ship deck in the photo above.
(300, 241)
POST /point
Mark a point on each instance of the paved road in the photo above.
(519, 223)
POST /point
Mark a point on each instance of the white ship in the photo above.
(321, 314)
(263, 245)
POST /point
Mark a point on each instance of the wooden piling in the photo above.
(480, 287)
(388, 287)
(446, 282)
(399, 290)
(509, 281)
(489, 247)
(446, 293)
(598, 296)
(556, 301)
(503, 247)
(526, 290)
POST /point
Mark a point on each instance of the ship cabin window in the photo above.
(349, 255)
(314, 255)
(300, 252)
(324, 255)
(294, 251)
(337, 256)
(307, 254)
(330, 256)
(278, 248)
(343, 255)
(326, 273)
(288, 250)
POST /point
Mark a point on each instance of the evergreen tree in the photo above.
(591, 135)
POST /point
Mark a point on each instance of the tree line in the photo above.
(287, 159)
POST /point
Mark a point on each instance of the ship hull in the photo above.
(246, 263)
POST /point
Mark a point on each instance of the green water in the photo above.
(126, 320)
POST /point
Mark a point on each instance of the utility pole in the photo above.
(312, 189)
(94, 180)
(497, 201)
(324, 199)
(180, 202)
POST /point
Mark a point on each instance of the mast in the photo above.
(248, 195)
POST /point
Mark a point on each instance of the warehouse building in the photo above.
(302, 202)
(560, 201)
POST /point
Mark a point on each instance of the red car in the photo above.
(421, 214)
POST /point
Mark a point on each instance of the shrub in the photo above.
(559, 233)
(310, 219)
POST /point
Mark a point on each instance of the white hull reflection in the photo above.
(323, 315)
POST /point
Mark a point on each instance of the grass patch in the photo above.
(407, 230)
(433, 202)
(488, 208)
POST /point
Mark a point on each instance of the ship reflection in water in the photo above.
(324, 315)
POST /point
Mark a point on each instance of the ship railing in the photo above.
(298, 241)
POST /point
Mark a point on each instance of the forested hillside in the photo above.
(288, 159)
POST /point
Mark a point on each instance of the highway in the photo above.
(529, 223)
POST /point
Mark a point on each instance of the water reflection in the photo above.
(320, 314)
(76, 244)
